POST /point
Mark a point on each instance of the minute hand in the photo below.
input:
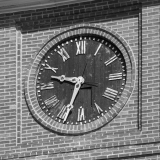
(75, 92)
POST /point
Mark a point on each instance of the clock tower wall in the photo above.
(129, 131)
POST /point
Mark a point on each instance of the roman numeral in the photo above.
(49, 85)
(99, 109)
(63, 54)
(52, 101)
(61, 114)
(81, 47)
(80, 114)
(110, 93)
(110, 60)
(51, 68)
(115, 76)
(98, 49)
(64, 112)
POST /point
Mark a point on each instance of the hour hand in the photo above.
(64, 78)
(91, 84)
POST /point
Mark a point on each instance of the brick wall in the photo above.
(133, 134)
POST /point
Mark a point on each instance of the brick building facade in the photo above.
(133, 134)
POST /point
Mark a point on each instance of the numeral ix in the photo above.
(115, 76)
(49, 85)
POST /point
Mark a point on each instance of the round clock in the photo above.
(80, 80)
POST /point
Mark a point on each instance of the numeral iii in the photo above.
(115, 76)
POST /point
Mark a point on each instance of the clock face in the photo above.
(80, 79)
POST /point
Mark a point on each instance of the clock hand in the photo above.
(84, 69)
(75, 92)
(91, 83)
(71, 79)
(64, 78)
(86, 87)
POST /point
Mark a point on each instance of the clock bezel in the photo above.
(30, 83)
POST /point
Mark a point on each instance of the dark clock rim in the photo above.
(30, 91)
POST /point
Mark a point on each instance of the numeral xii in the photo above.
(81, 47)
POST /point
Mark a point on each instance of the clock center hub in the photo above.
(81, 79)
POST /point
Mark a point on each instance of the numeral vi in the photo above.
(80, 114)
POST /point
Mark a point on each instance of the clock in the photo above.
(80, 80)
